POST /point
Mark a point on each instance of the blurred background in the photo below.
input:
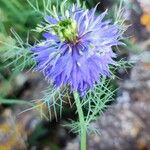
(125, 125)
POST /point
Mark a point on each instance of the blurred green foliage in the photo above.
(19, 15)
(17, 19)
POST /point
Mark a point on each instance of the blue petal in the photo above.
(50, 36)
(50, 20)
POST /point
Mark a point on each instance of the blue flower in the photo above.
(77, 49)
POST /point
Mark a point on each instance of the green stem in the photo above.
(82, 121)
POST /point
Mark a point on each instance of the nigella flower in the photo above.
(77, 48)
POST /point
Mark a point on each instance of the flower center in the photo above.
(66, 30)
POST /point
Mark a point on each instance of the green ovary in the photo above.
(66, 30)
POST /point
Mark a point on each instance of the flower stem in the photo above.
(82, 121)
